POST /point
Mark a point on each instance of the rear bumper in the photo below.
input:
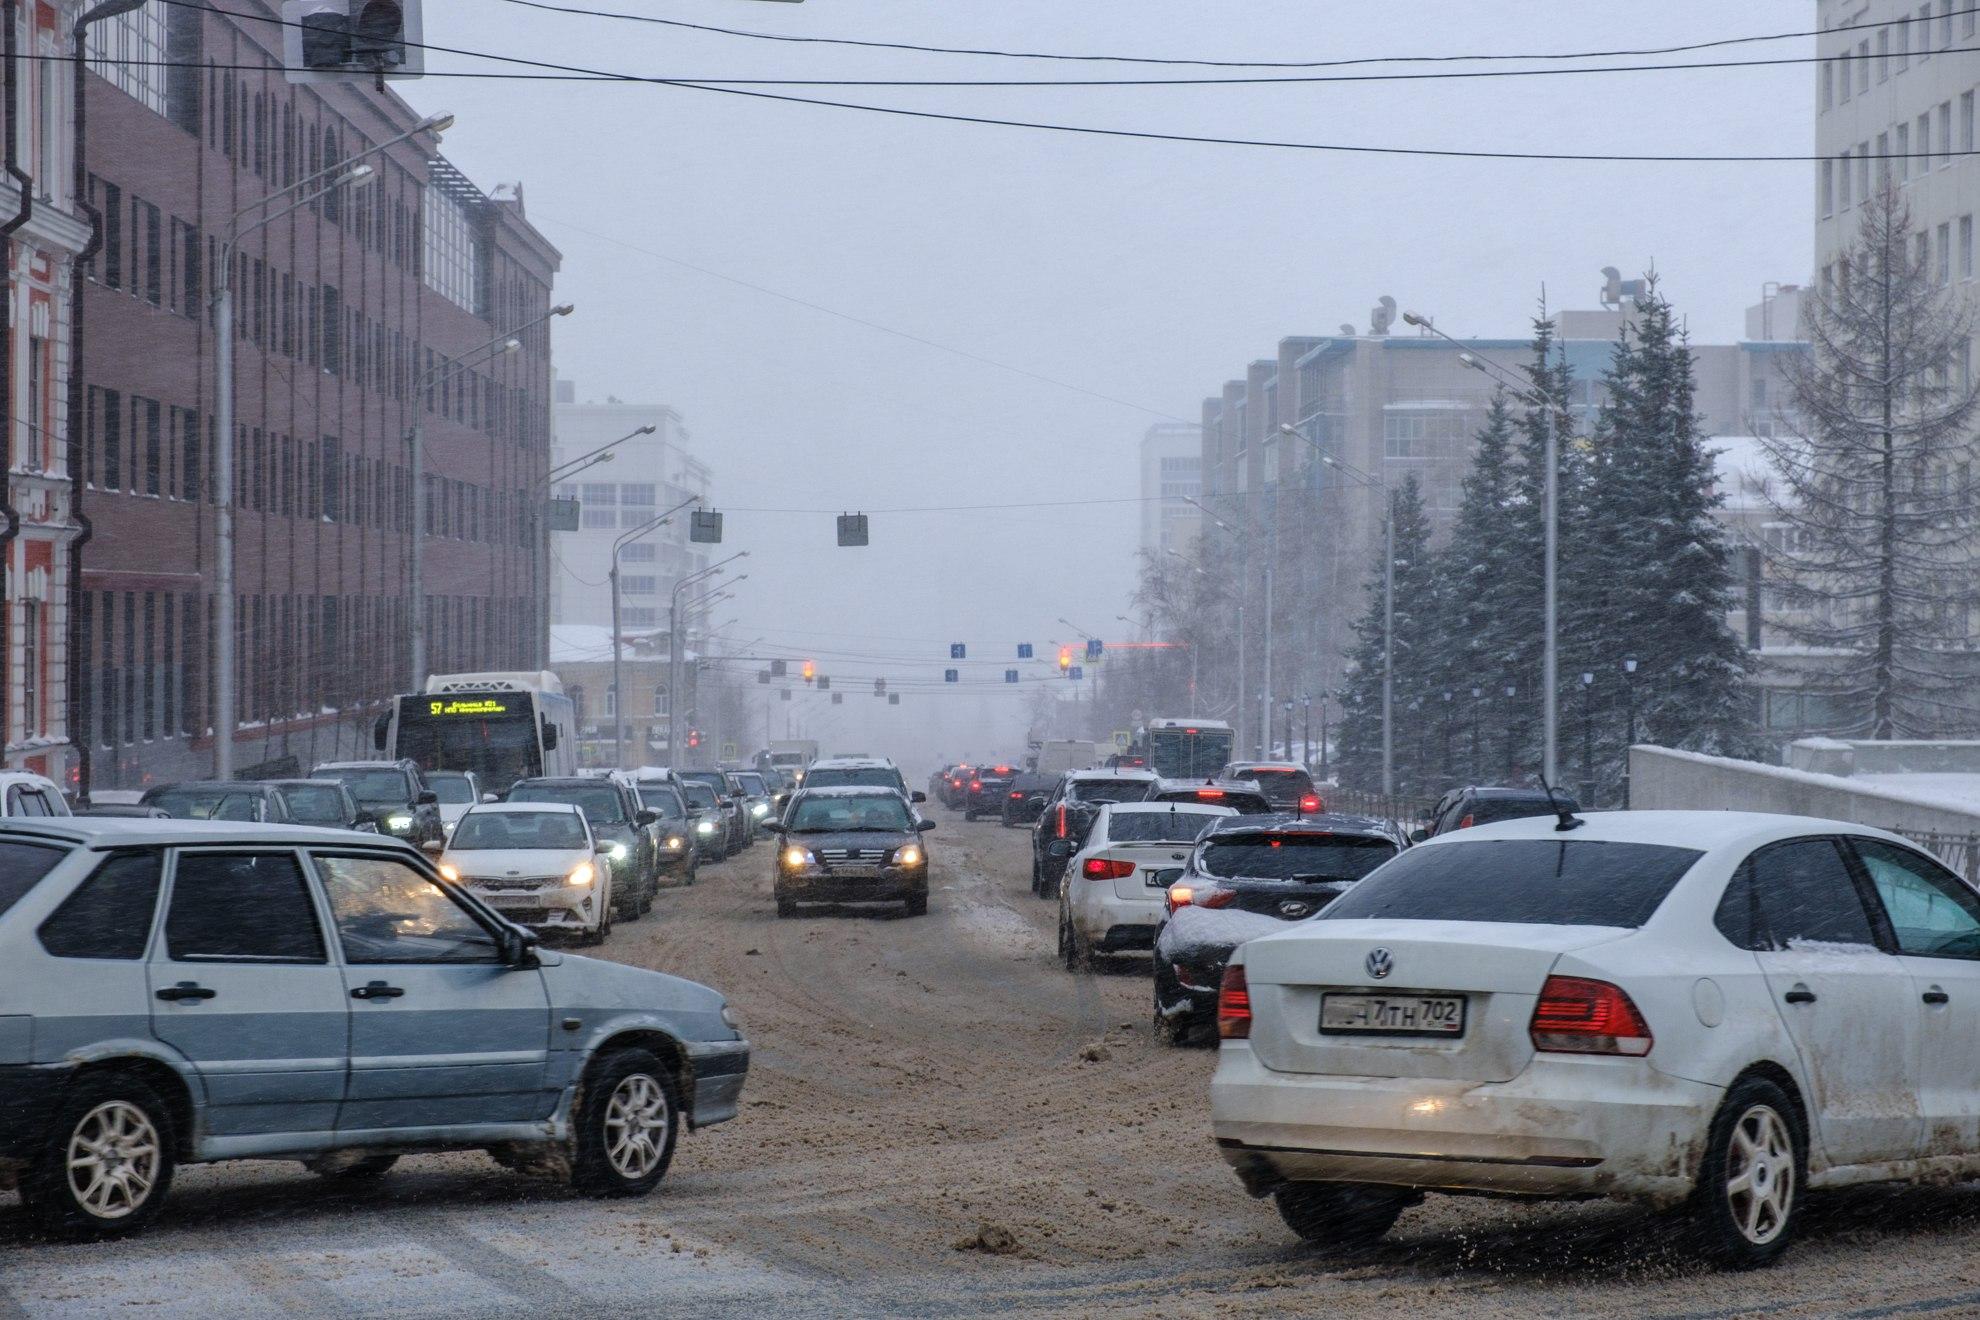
(1565, 1127)
(28, 1095)
(720, 1067)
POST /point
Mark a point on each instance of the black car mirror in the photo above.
(518, 948)
(775, 826)
(426, 797)
(924, 825)
(1418, 835)
(1059, 848)
(648, 817)
(917, 796)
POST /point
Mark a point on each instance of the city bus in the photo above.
(1183, 748)
(501, 726)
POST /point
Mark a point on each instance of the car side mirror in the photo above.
(426, 797)
(433, 847)
(519, 948)
(1059, 848)
(924, 825)
(1418, 835)
(775, 826)
(917, 796)
(647, 817)
(490, 797)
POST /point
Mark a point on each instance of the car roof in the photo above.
(140, 832)
(1151, 808)
(852, 763)
(1080, 776)
(1318, 823)
(1195, 785)
(561, 808)
(1698, 830)
(852, 790)
(1513, 794)
(1247, 766)
(568, 781)
(357, 765)
(241, 785)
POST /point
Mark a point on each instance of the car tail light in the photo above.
(1060, 829)
(1016, 796)
(1105, 868)
(1579, 1016)
(1234, 1005)
(1209, 794)
(1465, 824)
(975, 784)
(1182, 896)
(1311, 803)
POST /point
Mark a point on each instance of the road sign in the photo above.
(778, 668)
(824, 683)
(957, 651)
(1010, 676)
(1123, 739)
(852, 529)
(728, 751)
(1093, 648)
(784, 694)
(952, 675)
(1077, 672)
(838, 698)
(1024, 650)
(893, 698)
(705, 525)
(563, 515)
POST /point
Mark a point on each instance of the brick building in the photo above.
(342, 308)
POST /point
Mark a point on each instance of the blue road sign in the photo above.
(1093, 648)
(952, 676)
(1077, 671)
(957, 650)
(1024, 650)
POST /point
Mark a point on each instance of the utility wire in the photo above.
(1216, 64)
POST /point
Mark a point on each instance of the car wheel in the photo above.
(1340, 1214)
(1037, 881)
(107, 1164)
(693, 866)
(596, 935)
(365, 1168)
(626, 1126)
(1749, 1187)
(1071, 954)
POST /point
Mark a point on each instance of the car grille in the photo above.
(525, 916)
(855, 856)
(511, 882)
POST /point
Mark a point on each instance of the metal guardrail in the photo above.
(1408, 812)
(1961, 852)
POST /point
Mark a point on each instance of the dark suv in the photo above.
(323, 802)
(1068, 816)
(1287, 784)
(220, 800)
(625, 829)
(396, 796)
(986, 789)
(1461, 808)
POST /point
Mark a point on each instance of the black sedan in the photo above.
(851, 845)
(1247, 877)
(1025, 799)
(986, 789)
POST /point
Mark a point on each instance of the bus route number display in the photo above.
(474, 706)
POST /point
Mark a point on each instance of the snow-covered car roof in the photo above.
(560, 808)
(1316, 823)
(851, 790)
(852, 763)
(1150, 808)
(1702, 830)
(1125, 773)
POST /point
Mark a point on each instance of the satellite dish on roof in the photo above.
(1347, 330)
(1383, 316)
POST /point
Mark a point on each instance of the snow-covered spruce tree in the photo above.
(1651, 567)
(1877, 489)
(1414, 657)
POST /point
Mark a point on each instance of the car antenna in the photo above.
(1568, 820)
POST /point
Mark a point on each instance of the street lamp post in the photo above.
(1444, 770)
(1551, 520)
(646, 528)
(602, 454)
(1587, 738)
(1477, 702)
(1512, 734)
(1306, 730)
(1629, 739)
(674, 654)
(506, 342)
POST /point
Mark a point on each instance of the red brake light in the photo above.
(978, 783)
(1105, 868)
(1311, 802)
(1061, 833)
(1578, 1016)
(1189, 730)
(1465, 824)
(1015, 796)
(1181, 895)
(1209, 794)
(1234, 1005)
(1003, 769)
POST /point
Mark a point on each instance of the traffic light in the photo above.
(810, 671)
(694, 737)
(323, 40)
(1065, 658)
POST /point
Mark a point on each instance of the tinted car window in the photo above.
(315, 804)
(1179, 826)
(1933, 913)
(1804, 895)
(1293, 857)
(600, 803)
(1527, 881)
(21, 867)
(206, 804)
(1108, 790)
(387, 912)
(830, 777)
(109, 916)
(660, 798)
(700, 796)
(454, 790)
(241, 905)
(374, 787)
(1280, 786)
(751, 784)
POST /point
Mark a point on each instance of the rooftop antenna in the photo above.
(1567, 820)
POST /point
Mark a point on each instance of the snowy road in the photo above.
(919, 1094)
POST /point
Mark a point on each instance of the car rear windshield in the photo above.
(832, 777)
(1183, 825)
(1108, 790)
(752, 784)
(665, 801)
(698, 794)
(315, 804)
(600, 804)
(21, 867)
(372, 787)
(454, 790)
(1294, 856)
(488, 830)
(1281, 785)
(1492, 810)
(1536, 882)
(206, 804)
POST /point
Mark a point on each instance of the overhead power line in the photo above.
(1360, 61)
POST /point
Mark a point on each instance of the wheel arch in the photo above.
(679, 1071)
(162, 1077)
(1780, 1076)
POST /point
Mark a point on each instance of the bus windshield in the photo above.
(498, 748)
(1189, 753)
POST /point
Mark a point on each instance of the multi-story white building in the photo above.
(42, 232)
(1894, 99)
(1171, 476)
(646, 475)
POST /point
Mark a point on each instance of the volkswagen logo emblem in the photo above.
(1293, 909)
(1380, 963)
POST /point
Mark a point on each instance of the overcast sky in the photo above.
(1146, 272)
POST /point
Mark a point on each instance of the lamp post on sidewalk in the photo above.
(646, 528)
(674, 653)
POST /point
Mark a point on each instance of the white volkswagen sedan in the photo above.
(1715, 1010)
(1112, 897)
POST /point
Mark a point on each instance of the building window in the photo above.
(1842, 67)
(640, 584)
(1863, 66)
(128, 52)
(1883, 159)
(31, 666)
(36, 456)
(1426, 434)
(1922, 141)
(639, 552)
(1966, 247)
(1845, 195)
(1883, 55)
(1903, 46)
(1945, 254)
(640, 616)
(1828, 86)
(1863, 170)
(637, 493)
(1945, 135)
(1904, 151)
(452, 250)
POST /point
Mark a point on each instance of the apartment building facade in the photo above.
(355, 315)
(1171, 476)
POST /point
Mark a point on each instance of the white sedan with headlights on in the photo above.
(1709, 1010)
(537, 863)
(1112, 897)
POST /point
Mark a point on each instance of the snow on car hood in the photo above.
(1192, 932)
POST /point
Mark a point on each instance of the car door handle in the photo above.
(1801, 994)
(186, 990)
(1936, 996)
(376, 990)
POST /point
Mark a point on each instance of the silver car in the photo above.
(187, 991)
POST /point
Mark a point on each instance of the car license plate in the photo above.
(1392, 1015)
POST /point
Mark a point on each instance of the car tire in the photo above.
(694, 865)
(1071, 954)
(1037, 881)
(1756, 1139)
(1345, 1215)
(596, 935)
(367, 1168)
(628, 1095)
(104, 1115)
(917, 904)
